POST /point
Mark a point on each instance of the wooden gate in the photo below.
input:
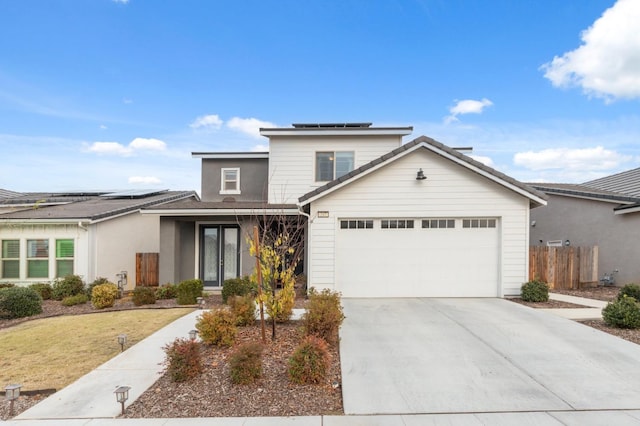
(147, 269)
(564, 267)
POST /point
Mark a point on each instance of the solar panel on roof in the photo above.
(134, 193)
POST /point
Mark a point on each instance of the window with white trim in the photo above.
(38, 258)
(64, 257)
(10, 259)
(230, 180)
(478, 223)
(356, 224)
(438, 223)
(333, 164)
(396, 223)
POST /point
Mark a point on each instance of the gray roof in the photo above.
(89, 207)
(5, 193)
(625, 182)
(581, 190)
(408, 146)
(192, 204)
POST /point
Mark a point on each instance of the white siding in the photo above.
(450, 190)
(292, 160)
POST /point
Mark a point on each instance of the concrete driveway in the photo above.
(411, 356)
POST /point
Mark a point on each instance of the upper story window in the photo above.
(230, 181)
(332, 165)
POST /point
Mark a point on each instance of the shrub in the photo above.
(6, 285)
(104, 295)
(245, 363)
(622, 313)
(19, 302)
(188, 291)
(97, 281)
(67, 286)
(535, 291)
(167, 291)
(217, 327)
(183, 361)
(323, 315)
(144, 296)
(243, 309)
(630, 290)
(78, 299)
(237, 287)
(43, 289)
(310, 361)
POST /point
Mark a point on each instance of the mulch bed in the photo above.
(550, 304)
(213, 395)
(599, 293)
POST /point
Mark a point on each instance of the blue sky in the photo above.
(104, 94)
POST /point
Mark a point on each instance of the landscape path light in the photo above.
(12, 393)
(201, 302)
(193, 334)
(122, 340)
(122, 394)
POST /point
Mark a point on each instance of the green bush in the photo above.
(310, 361)
(245, 364)
(243, 309)
(535, 291)
(188, 292)
(167, 291)
(217, 327)
(630, 290)
(323, 315)
(6, 285)
(78, 299)
(43, 289)
(144, 296)
(19, 302)
(104, 295)
(67, 286)
(97, 281)
(183, 361)
(237, 287)
(622, 313)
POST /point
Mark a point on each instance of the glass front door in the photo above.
(219, 254)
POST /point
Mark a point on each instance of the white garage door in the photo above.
(425, 257)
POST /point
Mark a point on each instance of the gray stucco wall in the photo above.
(254, 178)
(589, 222)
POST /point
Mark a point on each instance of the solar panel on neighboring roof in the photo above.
(134, 193)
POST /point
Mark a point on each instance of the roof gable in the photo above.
(423, 142)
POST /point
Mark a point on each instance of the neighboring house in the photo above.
(603, 212)
(91, 234)
(384, 219)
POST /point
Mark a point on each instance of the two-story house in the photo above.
(385, 219)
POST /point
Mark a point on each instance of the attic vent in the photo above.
(331, 125)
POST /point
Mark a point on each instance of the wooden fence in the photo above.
(147, 269)
(564, 267)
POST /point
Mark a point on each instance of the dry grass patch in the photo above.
(54, 352)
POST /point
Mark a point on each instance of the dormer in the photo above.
(234, 176)
(307, 155)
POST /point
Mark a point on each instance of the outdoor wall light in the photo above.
(420, 175)
(567, 243)
(122, 394)
(12, 393)
(193, 334)
(122, 340)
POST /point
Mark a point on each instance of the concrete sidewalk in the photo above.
(591, 312)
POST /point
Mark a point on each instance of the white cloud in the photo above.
(144, 180)
(212, 122)
(607, 64)
(127, 101)
(467, 106)
(149, 144)
(249, 126)
(572, 160)
(121, 1)
(116, 148)
(103, 127)
(260, 148)
(487, 161)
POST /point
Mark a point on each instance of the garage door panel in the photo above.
(458, 262)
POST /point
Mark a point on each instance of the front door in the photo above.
(219, 254)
